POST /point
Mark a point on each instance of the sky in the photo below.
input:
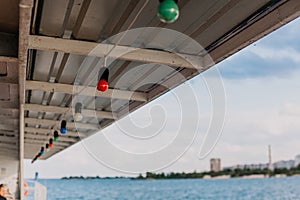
(262, 87)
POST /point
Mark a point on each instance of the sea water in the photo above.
(236, 188)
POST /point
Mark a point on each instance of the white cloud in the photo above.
(268, 53)
(291, 109)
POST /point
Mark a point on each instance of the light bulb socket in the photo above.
(63, 124)
(34, 159)
(78, 107)
(78, 116)
(55, 139)
(176, 1)
(103, 74)
(55, 134)
(47, 147)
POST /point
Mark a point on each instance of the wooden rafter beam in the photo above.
(9, 139)
(119, 52)
(66, 110)
(46, 138)
(8, 152)
(286, 12)
(8, 59)
(44, 131)
(6, 127)
(71, 125)
(8, 147)
(10, 80)
(85, 91)
(34, 147)
(57, 145)
(9, 120)
(9, 113)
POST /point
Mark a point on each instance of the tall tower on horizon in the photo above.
(270, 158)
(215, 164)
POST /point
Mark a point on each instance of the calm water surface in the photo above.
(254, 189)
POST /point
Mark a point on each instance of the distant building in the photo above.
(248, 166)
(215, 164)
(260, 166)
(279, 164)
(284, 164)
(297, 161)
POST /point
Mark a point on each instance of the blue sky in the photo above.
(276, 55)
(263, 107)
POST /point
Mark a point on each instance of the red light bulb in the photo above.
(102, 85)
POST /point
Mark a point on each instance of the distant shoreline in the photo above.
(245, 173)
(92, 177)
(207, 178)
(225, 174)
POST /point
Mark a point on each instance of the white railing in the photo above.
(36, 191)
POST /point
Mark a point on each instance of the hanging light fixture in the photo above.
(42, 151)
(78, 116)
(102, 84)
(56, 136)
(168, 11)
(63, 127)
(50, 142)
(39, 155)
(47, 147)
(34, 159)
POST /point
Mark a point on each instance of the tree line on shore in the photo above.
(90, 177)
(182, 175)
(225, 172)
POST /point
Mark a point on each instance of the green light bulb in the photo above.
(168, 11)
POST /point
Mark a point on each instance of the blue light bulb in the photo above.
(63, 127)
(63, 130)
